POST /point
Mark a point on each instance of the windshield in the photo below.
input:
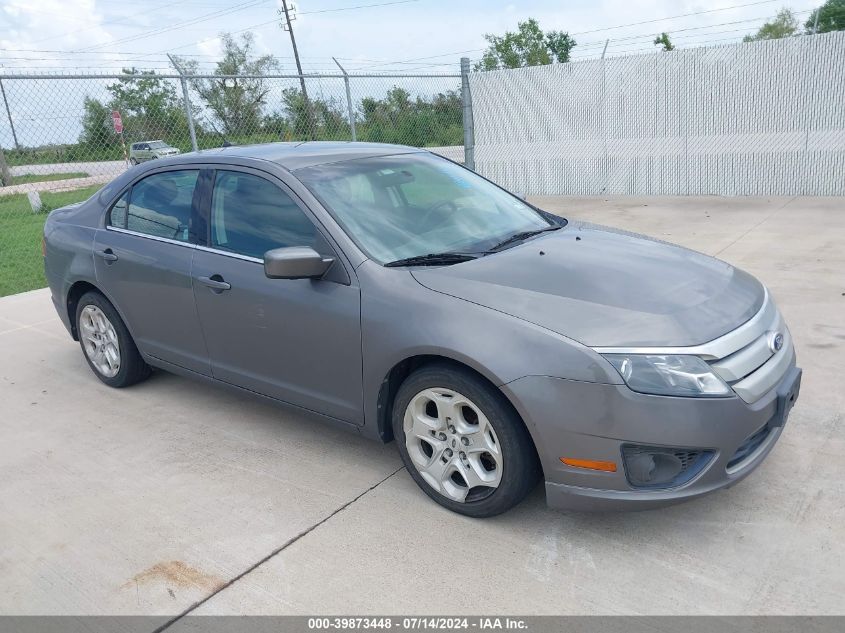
(409, 205)
(157, 144)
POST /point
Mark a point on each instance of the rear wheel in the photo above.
(106, 343)
(462, 442)
(132, 161)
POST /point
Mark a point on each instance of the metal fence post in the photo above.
(469, 132)
(9, 114)
(188, 113)
(350, 110)
(187, 101)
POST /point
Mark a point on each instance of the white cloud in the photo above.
(212, 46)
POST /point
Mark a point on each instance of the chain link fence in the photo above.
(59, 143)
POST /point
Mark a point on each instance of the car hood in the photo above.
(607, 288)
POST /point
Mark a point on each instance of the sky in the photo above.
(386, 36)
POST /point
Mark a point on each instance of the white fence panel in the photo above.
(764, 118)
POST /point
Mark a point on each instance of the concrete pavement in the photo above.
(95, 168)
(174, 496)
(98, 173)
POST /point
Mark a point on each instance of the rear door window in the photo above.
(160, 205)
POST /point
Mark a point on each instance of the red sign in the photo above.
(117, 122)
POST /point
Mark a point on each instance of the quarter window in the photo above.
(160, 205)
(117, 215)
(250, 216)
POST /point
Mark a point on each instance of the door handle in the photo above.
(215, 282)
(107, 254)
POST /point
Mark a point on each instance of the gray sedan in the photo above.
(401, 296)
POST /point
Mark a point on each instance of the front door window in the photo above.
(250, 216)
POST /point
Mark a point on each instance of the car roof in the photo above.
(293, 156)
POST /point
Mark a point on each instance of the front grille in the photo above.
(746, 361)
(751, 444)
(667, 468)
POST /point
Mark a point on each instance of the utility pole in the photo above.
(289, 28)
(816, 21)
(9, 114)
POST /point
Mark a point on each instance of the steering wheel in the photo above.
(434, 208)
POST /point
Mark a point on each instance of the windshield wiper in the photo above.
(522, 235)
(433, 259)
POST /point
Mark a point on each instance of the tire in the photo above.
(133, 162)
(101, 331)
(465, 408)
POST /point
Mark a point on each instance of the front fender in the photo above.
(401, 319)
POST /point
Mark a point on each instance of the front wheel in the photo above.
(106, 343)
(462, 442)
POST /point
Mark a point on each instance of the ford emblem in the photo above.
(775, 342)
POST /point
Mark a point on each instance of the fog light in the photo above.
(648, 469)
(661, 467)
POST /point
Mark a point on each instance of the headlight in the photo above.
(669, 375)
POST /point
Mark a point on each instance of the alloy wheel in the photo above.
(99, 339)
(452, 445)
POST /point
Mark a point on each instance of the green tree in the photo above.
(831, 17)
(236, 103)
(398, 118)
(664, 41)
(527, 46)
(97, 128)
(296, 115)
(782, 25)
(148, 105)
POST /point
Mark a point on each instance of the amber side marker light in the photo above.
(590, 464)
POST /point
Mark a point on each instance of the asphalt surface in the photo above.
(173, 497)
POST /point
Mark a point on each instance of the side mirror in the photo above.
(295, 262)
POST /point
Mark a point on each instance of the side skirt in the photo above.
(187, 373)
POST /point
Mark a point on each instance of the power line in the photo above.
(675, 17)
(583, 48)
(360, 6)
(276, 21)
(599, 43)
(624, 41)
(203, 18)
(120, 21)
(583, 53)
(415, 59)
(98, 53)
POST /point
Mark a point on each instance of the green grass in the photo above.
(27, 178)
(21, 264)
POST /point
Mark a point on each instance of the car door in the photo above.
(297, 340)
(143, 258)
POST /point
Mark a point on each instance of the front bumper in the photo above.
(593, 421)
